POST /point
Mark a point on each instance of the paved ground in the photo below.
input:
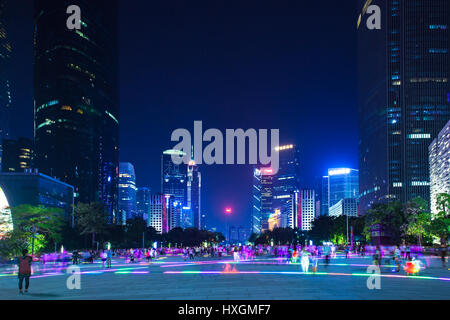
(262, 279)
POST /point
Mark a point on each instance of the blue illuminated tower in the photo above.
(127, 191)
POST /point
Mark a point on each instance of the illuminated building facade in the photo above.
(5, 69)
(405, 104)
(187, 218)
(262, 199)
(344, 207)
(193, 194)
(256, 201)
(76, 98)
(439, 158)
(143, 203)
(324, 196)
(162, 213)
(274, 220)
(342, 183)
(174, 179)
(286, 182)
(17, 155)
(34, 188)
(127, 191)
(307, 209)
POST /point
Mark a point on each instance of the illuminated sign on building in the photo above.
(337, 172)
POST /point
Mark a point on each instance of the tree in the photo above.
(47, 221)
(134, 230)
(91, 218)
(440, 224)
(392, 217)
(322, 229)
(40, 222)
(418, 219)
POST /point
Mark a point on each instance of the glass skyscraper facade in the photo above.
(174, 181)
(5, 89)
(407, 103)
(193, 201)
(286, 182)
(262, 199)
(76, 95)
(143, 202)
(275, 195)
(324, 196)
(343, 183)
(127, 191)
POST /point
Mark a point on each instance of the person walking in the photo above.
(377, 256)
(397, 258)
(24, 262)
(108, 258)
(103, 258)
(326, 253)
(408, 253)
(75, 257)
(305, 260)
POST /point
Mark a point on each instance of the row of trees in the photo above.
(43, 229)
(411, 222)
(408, 223)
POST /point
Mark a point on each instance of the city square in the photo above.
(263, 278)
(224, 150)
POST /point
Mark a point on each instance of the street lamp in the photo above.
(228, 212)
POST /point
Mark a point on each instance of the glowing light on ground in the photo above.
(308, 273)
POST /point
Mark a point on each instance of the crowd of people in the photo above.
(306, 256)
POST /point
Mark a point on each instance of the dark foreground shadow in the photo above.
(42, 295)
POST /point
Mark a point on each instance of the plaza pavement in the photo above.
(171, 278)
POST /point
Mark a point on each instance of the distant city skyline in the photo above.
(176, 69)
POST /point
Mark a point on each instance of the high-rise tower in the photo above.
(77, 98)
(404, 97)
(5, 90)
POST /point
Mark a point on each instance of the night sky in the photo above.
(288, 65)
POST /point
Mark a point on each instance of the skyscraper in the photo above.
(344, 207)
(174, 182)
(404, 98)
(127, 191)
(77, 98)
(286, 181)
(5, 90)
(262, 199)
(307, 209)
(324, 196)
(439, 157)
(162, 213)
(17, 155)
(194, 187)
(342, 184)
(143, 202)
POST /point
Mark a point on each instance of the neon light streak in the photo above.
(308, 273)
